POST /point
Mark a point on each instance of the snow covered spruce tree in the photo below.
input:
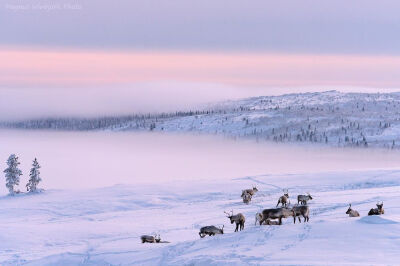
(34, 177)
(12, 173)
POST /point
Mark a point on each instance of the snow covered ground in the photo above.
(103, 226)
(105, 189)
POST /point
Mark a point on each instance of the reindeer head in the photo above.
(308, 194)
(255, 189)
(157, 238)
(349, 210)
(286, 193)
(229, 215)
(379, 205)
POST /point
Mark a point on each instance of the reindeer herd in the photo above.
(272, 216)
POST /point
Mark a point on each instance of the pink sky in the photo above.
(49, 82)
(72, 69)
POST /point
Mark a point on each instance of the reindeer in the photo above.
(210, 230)
(150, 239)
(278, 213)
(352, 213)
(266, 222)
(238, 219)
(303, 199)
(284, 199)
(250, 191)
(246, 198)
(377, 211)
(301, 210)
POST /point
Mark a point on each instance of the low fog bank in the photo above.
(168, 96)
(153, 97)
(97, 159)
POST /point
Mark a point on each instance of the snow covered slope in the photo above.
(103, 226)
(331, 118)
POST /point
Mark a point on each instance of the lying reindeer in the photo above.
(301, 210)
(377, 211)
(246, 198)
(266, 222)
(303, 199)
(352, 213)
(250, 191)
(150, 239)
(210, 230)
(278, 213)
(238, 219)
(284, 199)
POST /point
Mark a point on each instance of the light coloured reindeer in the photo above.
(246, 198)
(250, 191)
(351, 212)
(284, 200)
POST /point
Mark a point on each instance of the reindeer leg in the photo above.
(237, 227)
(280, 220)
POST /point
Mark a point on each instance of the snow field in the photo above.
(103, 226)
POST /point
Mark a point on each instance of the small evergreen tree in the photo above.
(34, 177)
(12, 173)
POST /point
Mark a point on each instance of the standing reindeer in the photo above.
(284, 200)
(246, 198)
(377, 211)
(250, 191)
(352, 213)
(303, 199)
(150, 239)
(238, 219)
(301, 210)
(278, 213)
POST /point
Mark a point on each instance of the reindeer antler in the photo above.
(227, 213)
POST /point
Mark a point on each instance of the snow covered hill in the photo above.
(103, 226)
(330, 118)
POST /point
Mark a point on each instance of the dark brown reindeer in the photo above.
(303, 199)
(210, 230)
(239, 219)
(284, 200)
(301, 210)
(377, 211)
(351, 212)
(278, 213)
(250, 191)
(150, 239)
